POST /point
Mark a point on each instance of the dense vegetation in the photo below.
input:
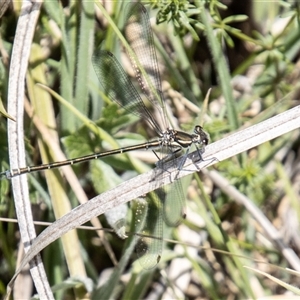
(249, 56)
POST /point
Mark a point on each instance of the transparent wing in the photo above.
(150, 243)
(173, 198)
(118, 86)
(138, 33)
(174, 204)
(165, 203)
(161, 205)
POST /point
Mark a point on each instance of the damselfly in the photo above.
(118, 87)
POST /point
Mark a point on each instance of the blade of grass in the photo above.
(243, 281)
(43, 108)
(85, 49)
(69, 34)
(186, 67)
(220, 66)
(289, 287)
(274, 235)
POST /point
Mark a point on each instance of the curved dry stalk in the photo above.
(18, 68)
(232, 145)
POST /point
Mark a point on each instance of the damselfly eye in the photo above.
(205, 141)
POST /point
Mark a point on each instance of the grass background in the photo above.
(251, 64)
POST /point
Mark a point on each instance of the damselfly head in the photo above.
(200, 136)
